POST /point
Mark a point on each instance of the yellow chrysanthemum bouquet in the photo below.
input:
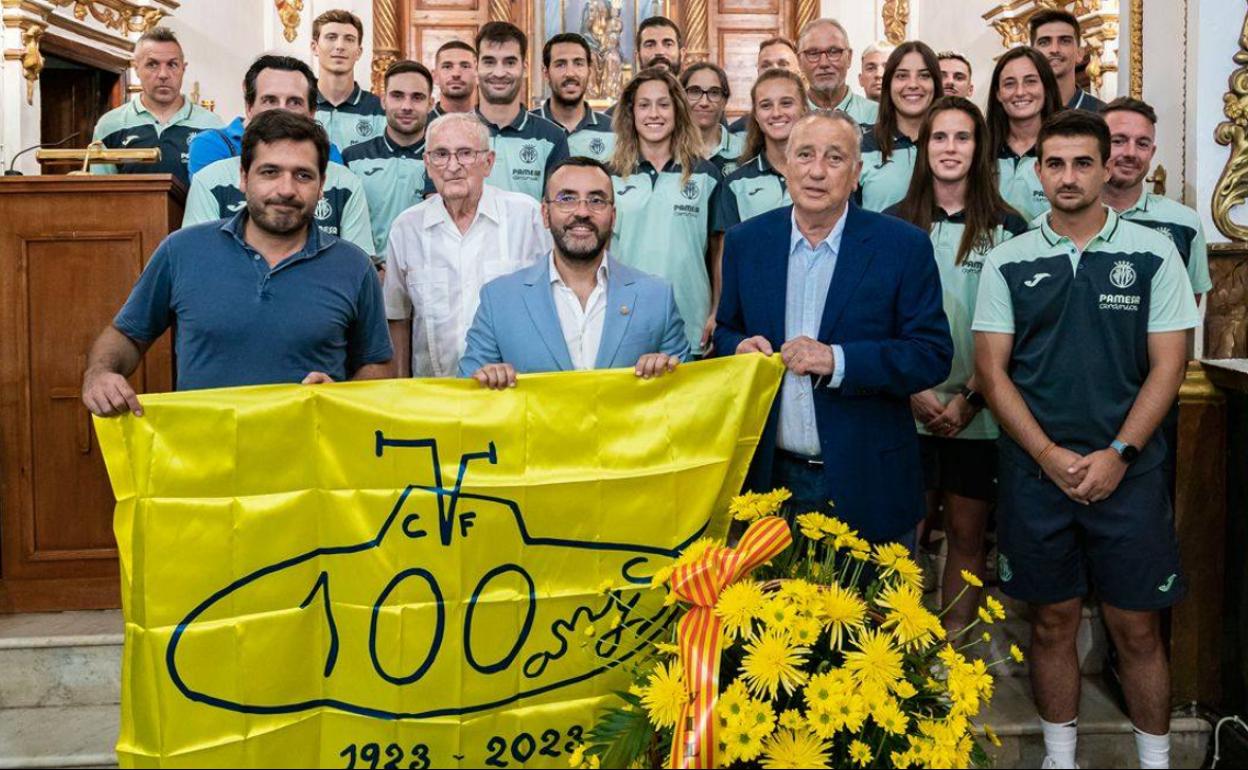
(813, 650)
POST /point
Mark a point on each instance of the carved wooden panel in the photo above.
(1226, 319)
(737, 52)
(446, 5)
(749, 6)
(426, 39)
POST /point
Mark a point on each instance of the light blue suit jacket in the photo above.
(517, 324)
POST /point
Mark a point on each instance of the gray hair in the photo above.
(814, 24)
(879, 46)
(834, 116)
(464, 124)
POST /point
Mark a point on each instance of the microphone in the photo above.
(11, 171)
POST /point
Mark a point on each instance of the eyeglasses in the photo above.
(713, 95)
(813, 55)
(465, 156)
(568, 204)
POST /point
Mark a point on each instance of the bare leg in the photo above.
(1055, 660)
(1143, 666)
(965, 522)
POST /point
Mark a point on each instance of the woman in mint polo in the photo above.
(777, 102)
(667, 198)
(953, 195)
(911, 83)
(1023, 94)
(706, 86)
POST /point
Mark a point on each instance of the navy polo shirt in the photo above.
(240, 322)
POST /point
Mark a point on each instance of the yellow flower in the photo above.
(791, 719)
(577, 756)
(666, 694)
(905, 690)
(663, 648)
(823, 690)
(778, 613)
(850, 713)
(995, 607)
(732, 702)
(1016, 653)
(805, 631)
(987, 637)
(773, 662)
(876, 660)
(910, 621)
(823, 723)
(986, 616)
(888, 554)
(860, 753)
(972, 579)
(812, 525)
(992, 735)
(741, 744)
(661, 577)
(760, 718)
(753, 506)
(891, 718)
(895, 559)
(795, 748)
(739, 606)
(802, 594)
(841, 611)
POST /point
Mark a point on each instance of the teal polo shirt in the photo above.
(1180, 224)
(883, 183)
(358, 119)
(1019, 182)
(753, 189)
(860, 108)
(133, 127)
(393, 178)
(959, 287)
(525, 151)
(1080, 324)
(592, 137)
(341, 212)
(726, 155)
(663, 226)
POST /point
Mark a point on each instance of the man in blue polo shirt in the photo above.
(349, 113)
(565, 66)
(265, 297)
(159, 116)
(1081, 341)
(272, 82)
(525, 146)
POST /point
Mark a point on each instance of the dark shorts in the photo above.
(1052, 549)
(964, 467)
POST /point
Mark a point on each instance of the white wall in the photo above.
(1214, 39)
(960, 27)
(864, 21)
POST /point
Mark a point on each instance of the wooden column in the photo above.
(807, 11)
(1200, 519)
(697, 31)
(387, 45)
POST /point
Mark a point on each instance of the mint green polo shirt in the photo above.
(726, 155)
(884, 183)
(663, 226)
(592, 137)
(341, 212)
(1080, 324)
(133, 127)
(753, 189)
(393, 178)
(1018, 180)
(358, 119)
(860, 108)
(1180, 224)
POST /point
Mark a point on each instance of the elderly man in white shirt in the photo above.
(444, 249)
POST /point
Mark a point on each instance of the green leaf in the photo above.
(625, 735)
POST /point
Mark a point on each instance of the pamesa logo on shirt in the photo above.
(528, 154)
(324, 209)
(597, 146)
(364, 128)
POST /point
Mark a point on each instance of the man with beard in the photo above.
(955, 74)
(659, 44)
(566, 59)
(1081, 344)
(444, 249)
(263, 298)
(577, 309)
(349, 113)
(1055, 33)
(871, 78)
(1133, 144)
(525, 146)
(455, 75)
(825, 57)
(392, 166)
(280, 83)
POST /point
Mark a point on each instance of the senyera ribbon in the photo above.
(700, 634)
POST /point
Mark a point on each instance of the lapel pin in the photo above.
(623, 309)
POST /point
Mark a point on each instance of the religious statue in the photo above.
(602, 24)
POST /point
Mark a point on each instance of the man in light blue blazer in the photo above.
(577, 309)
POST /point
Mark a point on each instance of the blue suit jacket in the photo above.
(884, 309)
(516, 322)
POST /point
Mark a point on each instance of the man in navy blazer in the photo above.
(852, 302)
(578, 308)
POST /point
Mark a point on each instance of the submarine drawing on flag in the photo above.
(416, 622)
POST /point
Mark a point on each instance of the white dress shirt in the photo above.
(434, 273)
(582, 326)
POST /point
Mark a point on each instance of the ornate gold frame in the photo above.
(288, 12)
(1232, 188)
(896, 14)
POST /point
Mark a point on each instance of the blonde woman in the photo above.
(667, 198)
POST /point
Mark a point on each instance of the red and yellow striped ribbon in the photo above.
(700, 635)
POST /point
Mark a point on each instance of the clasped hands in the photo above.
(1087, 478)
(801, 355)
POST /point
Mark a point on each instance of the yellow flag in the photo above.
(409, 574)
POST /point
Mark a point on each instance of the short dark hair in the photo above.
(454, 45)
(580, 161)
(1070, 123)
(777, 40)
(158, 35)
(1128, 104)
(661, 21)
(271, 61)
(337, 16)
(282, 125)
(568, 38)
(955, 56)
(500, 32)
(706, 65)
(1050, 15)
(404, 66)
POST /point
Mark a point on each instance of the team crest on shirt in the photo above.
(597, 146)
(364, 128)
(690, 190)
(324, 209)
(528, 154)
(1122, 275)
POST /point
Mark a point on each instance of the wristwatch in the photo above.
(976, 400)
(1127, 452)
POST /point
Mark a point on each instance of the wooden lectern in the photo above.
(71, 249)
